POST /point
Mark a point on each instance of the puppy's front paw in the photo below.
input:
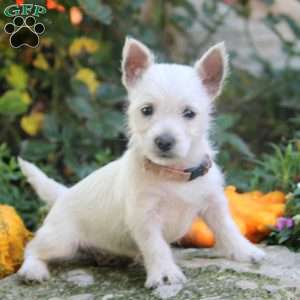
(248, 253)
(163, 275)
(33, 270)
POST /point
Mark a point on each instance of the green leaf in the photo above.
(36, 149)
(81, 107)
(239, 144)
(283, 237)
(11, 102)
(97, 10)
(95, 127)
(109, 93)
(226, 121)
(103, 156)
(51, 128)
(17, 77)
(109, 125)
(113, 123)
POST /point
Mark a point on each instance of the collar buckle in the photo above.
(200, 170)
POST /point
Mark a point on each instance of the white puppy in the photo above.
(148, 198)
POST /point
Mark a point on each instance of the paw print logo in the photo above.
(24, 32)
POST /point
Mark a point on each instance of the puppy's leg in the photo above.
(229, 240)
(50, 242)
(159, 263)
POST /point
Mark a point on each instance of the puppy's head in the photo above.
(169, 104)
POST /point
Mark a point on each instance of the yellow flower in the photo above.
(40, 62)
(32, 123)
(17, 77)
(25, 98)
(88, 77)
(83, 44)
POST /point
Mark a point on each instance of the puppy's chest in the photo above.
(192, 193)
(174, 214)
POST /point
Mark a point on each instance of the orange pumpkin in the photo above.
(254, 213)
(13, 237)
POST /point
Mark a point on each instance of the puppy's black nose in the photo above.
(164, 142)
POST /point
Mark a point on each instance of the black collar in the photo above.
(177, 174)
(200, 170)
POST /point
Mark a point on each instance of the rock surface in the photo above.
(209, 278)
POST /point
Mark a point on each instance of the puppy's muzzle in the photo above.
(165, 142)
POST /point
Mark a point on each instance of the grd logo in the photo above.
(24, 30)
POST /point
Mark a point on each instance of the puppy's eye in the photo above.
(188, 114)
(147, 110)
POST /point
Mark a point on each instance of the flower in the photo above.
(52, 4)
(83, 44)
(32, 123)
(41, 62)
(283, 223)
(89, 78)
(75, 15)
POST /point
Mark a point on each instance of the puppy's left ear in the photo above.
(212, 69)
(135, 61)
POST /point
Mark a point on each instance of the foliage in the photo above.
(62, 103)
(225, 135)
(233, 152)
(13, 190)
(293, 204)
(266, 105)
(278, 170)
(289, 235)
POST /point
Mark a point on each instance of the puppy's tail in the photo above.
(48, 189)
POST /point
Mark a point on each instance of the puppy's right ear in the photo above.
(136, 59)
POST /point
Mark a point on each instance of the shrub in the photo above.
(287, 231)
(279, 169)
(61, 104)
(13, 190)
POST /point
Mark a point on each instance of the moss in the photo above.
(209, 283)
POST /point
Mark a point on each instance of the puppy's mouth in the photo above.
(163, 158)
(166, 155)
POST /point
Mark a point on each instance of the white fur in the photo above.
(125, 210)
(47, 189)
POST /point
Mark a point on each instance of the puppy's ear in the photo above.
(136, 59)
(212, 69)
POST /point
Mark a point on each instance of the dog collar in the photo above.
(179, 175)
